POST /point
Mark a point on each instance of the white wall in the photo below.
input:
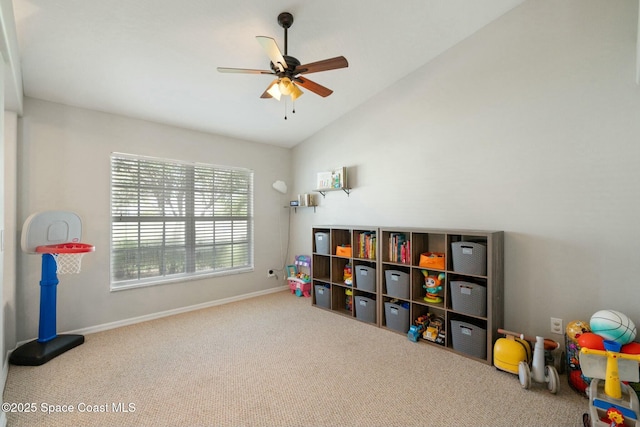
(531, 126)
(64, 164)
(11, 239)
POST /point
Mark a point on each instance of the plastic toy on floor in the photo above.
(612, 403)
(300, 281)
(540, 372)
(56, 236)
(509, 351)
(515, 356)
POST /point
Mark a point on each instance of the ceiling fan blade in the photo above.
(243, 71)
(273, 51)
(325, 65)
(313, 87)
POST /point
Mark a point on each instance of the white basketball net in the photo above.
(68, 263)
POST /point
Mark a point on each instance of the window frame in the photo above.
(189, 219)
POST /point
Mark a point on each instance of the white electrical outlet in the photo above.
(556, 326)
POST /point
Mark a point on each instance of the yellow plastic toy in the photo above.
(509, 351)
(614, 403)
(513, 354)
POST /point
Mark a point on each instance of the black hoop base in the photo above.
(35, 353)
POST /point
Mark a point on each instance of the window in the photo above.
(172, 220)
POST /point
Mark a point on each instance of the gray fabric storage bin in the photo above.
(469, 298)
(365, 278)
(323, 296)
(322, 243)
(469, 258)
(469, 339)
(397, 283)
(397, 317)
(365, 309)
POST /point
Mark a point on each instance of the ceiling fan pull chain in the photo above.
(285, 108)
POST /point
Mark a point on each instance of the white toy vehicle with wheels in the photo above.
(539, 372)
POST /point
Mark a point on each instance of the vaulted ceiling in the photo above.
(157, 59)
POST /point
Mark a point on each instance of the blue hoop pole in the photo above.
(48, 289)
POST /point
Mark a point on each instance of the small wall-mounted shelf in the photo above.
(295, 208)
(304, 201)
(334, 180)
(324, 191)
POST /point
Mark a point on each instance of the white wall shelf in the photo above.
(324, 191)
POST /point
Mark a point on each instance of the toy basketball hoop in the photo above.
(55, 235)
(68, 256)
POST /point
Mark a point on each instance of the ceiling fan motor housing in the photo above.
(290, 71)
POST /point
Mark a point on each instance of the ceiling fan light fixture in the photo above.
(274, 90)
(295, 92)
(285, 85)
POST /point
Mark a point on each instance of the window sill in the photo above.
(175, 279)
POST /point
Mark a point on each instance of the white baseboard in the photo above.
(147, 317)
(134, 320)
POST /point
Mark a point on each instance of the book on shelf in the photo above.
(366, 244)
(399, 248)
(333, 179)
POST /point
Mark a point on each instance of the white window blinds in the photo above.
(173, 220)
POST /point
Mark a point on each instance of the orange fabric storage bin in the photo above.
(344, 250)
(432, 260)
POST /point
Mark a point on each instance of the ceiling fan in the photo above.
(288, 69)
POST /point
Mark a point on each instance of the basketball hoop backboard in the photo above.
(50, 228)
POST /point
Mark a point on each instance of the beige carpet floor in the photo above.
(274, 360)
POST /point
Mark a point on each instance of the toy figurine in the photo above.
(433, 286)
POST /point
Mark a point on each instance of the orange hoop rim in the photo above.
(65, 248)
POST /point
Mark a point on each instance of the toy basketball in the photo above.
(613, 326)
(576, 328)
